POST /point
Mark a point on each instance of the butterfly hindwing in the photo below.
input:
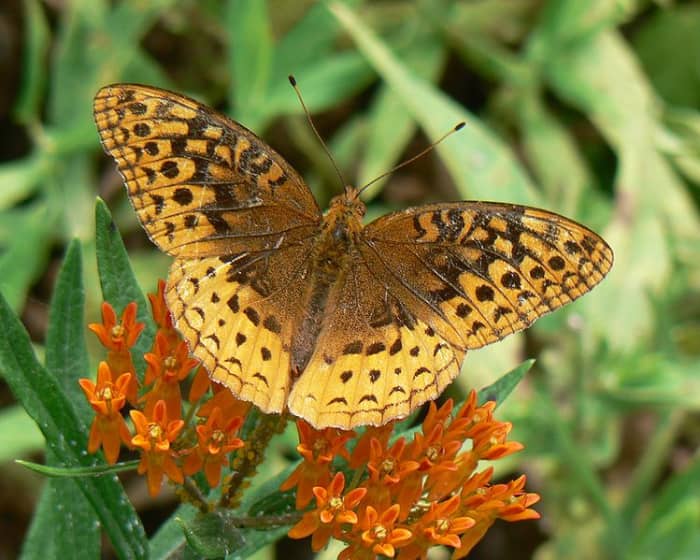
(238, 314)
(201, 184)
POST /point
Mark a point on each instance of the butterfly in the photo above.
(344, 324)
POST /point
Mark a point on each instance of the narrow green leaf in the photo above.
(211, 536)
(36, 45)
(312, 38)
(499, 390)
(79, 472)
(672, 525)
(325, 83)
(66, 354)
(73, 526)
(119, 286)
(25, 254)
(481, 166)
(250, 58)
(41, 396)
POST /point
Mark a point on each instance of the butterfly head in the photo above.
(345, 213)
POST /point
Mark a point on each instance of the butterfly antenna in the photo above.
(414, 158)
(293, 81)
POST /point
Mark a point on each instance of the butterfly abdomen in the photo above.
(333, 248)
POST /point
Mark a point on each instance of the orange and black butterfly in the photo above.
(343, 323)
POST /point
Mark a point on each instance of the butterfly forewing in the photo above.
(201, 184)
(488, 269)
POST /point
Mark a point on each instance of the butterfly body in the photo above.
(332, 251)
(343, 323)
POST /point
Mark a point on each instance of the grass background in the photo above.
(590, 109)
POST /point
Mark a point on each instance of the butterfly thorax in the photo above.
(328, 265)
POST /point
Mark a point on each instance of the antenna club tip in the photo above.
(292, 80)
(460, 126)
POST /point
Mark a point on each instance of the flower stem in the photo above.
(251, 455)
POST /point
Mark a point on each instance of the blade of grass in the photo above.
(36, 46)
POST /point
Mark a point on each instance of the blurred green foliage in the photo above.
(591, 109)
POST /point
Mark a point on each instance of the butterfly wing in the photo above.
(237, 312)
(488, 269)
(239, 220)
(427, 284)
(201, 184)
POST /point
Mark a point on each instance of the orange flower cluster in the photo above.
(160, 435)
(406, 497)
(380, 497)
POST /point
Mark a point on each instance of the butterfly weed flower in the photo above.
(216, 439)
(168, 365)
(154, 437)
(333, 512)
(118, 338)
(376, 533)
(318, 448)
(107, 397)
(424, 492)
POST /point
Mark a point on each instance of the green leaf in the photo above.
(215, 535)
(671, 528)
(25, 253)
(36, 46)
(41, 396)
(71, 525)
(119, 286)
(211, 536)
(499, 390)
(672, 35)
(78, 472)
(250, 58)
(20, 178)
(66, 354)
(324, 84)
(481, 166)
(390, 127)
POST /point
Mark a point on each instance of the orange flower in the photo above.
(318, 448)
(119, 339)
(107, 398)
(200, 385)
(391, 478)
(167, 366)
(485, 504)
(159, 308)
(223, 398)
(379, 536)
(332, 511)
(216, 440)
(154, 437)
(441, 525)
(360, 454)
